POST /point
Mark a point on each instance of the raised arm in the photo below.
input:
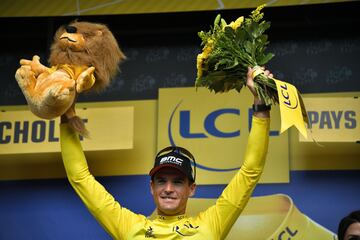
(235, 196)
(116, 220)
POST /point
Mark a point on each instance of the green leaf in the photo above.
(264, 25)
(217, 20)
(262, 39)
(248, 47)
(223, 23)
(240, 35)
(254, 29)
(265, 59)
(221, 62)
(234, 64)
(229, 32)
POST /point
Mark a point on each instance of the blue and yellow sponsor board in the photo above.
(329, 118)
(215, 127)
(333, 119)
(42, 160)
(111, 128)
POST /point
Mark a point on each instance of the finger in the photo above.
(266, 72)
(36, 58)
(91, 70)
(79, 88)
(250, 73)
(271, 75)
(26, 67)
(25, 62)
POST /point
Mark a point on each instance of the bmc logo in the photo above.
(171, 159)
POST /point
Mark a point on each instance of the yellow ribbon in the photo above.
(292, 108)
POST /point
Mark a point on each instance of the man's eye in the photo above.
(354, 238)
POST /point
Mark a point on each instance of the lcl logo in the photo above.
(209, 121)
(209, 130)
(209, 124)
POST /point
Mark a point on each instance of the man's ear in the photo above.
(192, 189)
(151, 187)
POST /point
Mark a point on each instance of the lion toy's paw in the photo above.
(85, 80)
(58, 94)
(54, 101)
(25, 77)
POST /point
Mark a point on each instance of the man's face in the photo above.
(171, 190)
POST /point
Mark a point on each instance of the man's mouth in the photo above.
(168, 197)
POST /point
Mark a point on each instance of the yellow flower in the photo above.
(208, 48)
(256, 15)
(204, 55)
(232, 25)
(237, 23)
(199, 62)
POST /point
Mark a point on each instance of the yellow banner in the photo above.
(21, 8)
(333, 119)
(215, 127)
(41, 164)
(22, 132)
(307, 155)
(303, 155)
(292, 108)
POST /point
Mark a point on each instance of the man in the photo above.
(172, 183)
(349, 226)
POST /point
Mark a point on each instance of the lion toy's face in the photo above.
(88, 44)
(72, 39)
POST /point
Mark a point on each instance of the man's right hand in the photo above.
(250, 85)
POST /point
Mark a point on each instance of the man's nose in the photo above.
(169, 187)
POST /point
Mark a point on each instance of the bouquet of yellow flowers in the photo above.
(228, 51)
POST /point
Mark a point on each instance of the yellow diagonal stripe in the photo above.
(23, 8)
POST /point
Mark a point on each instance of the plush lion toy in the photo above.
(84, 57)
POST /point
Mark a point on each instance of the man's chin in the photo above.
(168, 210)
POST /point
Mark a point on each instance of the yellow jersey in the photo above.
(121, 223)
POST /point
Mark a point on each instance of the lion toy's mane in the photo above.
(101, 51)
